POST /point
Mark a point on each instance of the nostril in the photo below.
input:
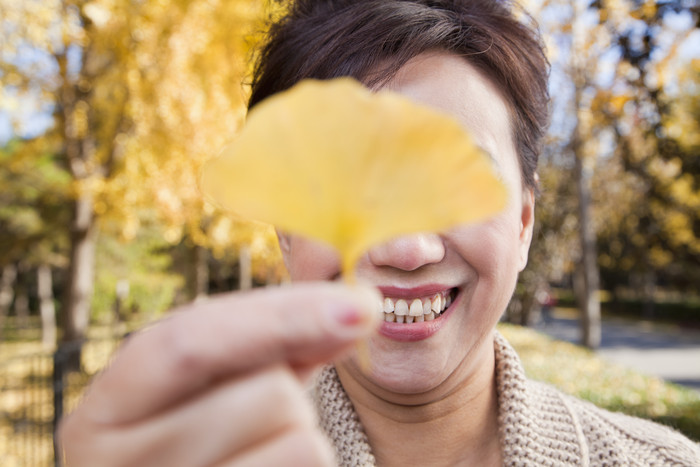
(409, 252)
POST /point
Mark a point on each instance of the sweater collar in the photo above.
(536, 424)
(528, 434)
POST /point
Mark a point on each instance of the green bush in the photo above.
(682, 309)
(144, 264)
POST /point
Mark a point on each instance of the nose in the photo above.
(409, 252)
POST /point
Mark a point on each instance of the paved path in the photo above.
(670, 352)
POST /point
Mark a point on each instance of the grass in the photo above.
(579, 372)
(26, 396)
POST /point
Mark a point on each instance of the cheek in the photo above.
(309, 260)
(491, 248)
(491, 251)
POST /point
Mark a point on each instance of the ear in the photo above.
(285, 246)
(527, 225)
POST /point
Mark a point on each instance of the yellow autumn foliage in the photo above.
(149, 90)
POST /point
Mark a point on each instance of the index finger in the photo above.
(225, 337)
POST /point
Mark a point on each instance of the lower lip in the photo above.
(413, 332)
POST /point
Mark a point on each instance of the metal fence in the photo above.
(36, 389)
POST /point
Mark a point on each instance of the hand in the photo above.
(220, 383)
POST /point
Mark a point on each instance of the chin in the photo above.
(412, 372)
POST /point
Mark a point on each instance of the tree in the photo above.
(33, 213)
(610, 101)
(576, 49)
(141, 93)
(655, 146)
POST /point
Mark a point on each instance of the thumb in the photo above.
(222, 338)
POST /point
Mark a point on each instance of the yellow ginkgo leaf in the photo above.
(332, 161)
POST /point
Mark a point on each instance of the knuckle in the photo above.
(184, 352)
(298, 328)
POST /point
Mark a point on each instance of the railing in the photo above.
(35, 391)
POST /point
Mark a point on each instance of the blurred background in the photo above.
(109, 107)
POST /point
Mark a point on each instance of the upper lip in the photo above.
(413, 292)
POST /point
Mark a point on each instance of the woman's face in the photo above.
(476, 266)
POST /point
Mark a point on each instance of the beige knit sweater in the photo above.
(539, 426)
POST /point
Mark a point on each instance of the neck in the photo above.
(456, 425)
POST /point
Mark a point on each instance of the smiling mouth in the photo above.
(416, 310)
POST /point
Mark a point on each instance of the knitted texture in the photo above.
(539, 426)
(338, 419)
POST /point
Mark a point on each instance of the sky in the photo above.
(31, 121)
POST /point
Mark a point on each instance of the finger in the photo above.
(229, 419)
(224, 337)
(301, 447)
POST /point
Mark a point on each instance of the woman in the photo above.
(212, 387)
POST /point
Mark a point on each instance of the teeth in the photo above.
(388, 305)
(415, 310)
(401, 308)
(436, 304)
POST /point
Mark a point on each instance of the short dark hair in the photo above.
(371, 40)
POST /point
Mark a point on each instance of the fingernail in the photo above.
(358, 315)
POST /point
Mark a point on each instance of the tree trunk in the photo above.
(244, 262)
(79, 148)
(7, 283)
(588, 300)
(80, 277)
(527, 305)
(47, 309)
(649, 292)
(200, 273)
(21, 298)
(121, 295)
